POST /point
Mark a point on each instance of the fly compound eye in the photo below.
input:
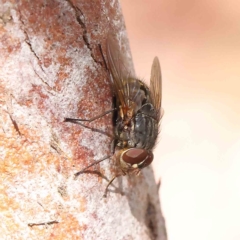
(147, 161)
(137, 156)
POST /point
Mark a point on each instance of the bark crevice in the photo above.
(28, 42)
(81, 20)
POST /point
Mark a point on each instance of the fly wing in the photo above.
(125, 86)
(156, 86)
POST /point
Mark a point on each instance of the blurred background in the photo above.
(198, 154)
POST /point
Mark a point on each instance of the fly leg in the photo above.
(95, 163)
(78, 120)
(110, 182)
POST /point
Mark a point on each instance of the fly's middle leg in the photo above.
(78, 120)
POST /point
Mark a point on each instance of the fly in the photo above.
(138, 113)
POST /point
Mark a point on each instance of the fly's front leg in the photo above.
(111, 181)
(95, 163)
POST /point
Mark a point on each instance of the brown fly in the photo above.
(138, 113)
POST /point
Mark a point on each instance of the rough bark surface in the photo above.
(51, 67)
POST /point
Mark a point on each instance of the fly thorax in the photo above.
(123, 130)
(128, 116)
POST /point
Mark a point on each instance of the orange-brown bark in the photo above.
(52, 68)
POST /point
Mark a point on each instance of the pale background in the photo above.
(198, 155)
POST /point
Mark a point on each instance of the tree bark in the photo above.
(51, 68)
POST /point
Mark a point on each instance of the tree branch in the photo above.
(52, 68)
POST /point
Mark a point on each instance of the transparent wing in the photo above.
(156, 86)
(125, 86)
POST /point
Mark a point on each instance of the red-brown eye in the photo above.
(141, 157)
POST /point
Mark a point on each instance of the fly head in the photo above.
(134, 159)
